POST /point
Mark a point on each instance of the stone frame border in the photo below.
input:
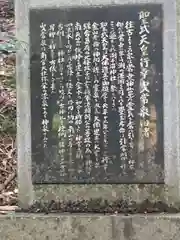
(171, 90)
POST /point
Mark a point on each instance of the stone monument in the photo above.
(97, 101)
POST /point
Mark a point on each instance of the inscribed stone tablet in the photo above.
(97, 94)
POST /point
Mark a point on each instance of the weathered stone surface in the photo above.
(147, 165)
(88, 227)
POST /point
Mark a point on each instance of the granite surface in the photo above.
(89, 227)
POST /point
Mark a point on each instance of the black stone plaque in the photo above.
(97, 94)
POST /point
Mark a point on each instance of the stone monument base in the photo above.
(15, 226)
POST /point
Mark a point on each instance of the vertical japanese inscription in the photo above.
(130, 83)
(69, 34)
(52, 62)
(98, 71)
(105, 89)
(121, 92)
(144, 68)
(44, 83)
(87, 100)
(79, 92)
(113, 64)
(96, 89)
(61, 100)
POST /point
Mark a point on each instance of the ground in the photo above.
(8, 187)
